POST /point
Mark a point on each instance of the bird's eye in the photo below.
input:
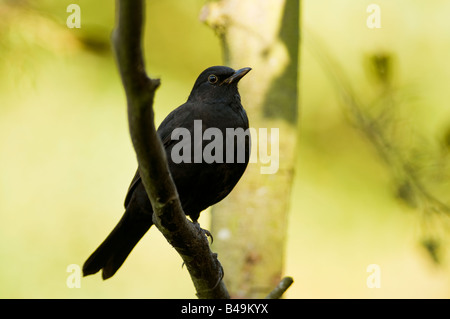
(212, 79)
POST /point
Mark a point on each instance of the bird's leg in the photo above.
(204, 231)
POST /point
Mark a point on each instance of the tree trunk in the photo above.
(250, 224)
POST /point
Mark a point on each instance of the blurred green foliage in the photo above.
(66, 157)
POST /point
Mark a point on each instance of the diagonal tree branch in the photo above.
(189, 240)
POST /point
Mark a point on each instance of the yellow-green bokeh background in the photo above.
(66, 159)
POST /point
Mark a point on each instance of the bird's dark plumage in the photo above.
(215, 101)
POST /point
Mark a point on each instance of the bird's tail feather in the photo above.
(111, 254)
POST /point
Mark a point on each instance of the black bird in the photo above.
(215, 101)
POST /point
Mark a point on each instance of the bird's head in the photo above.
(217, 84)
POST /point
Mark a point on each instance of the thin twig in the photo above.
(279, 290)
